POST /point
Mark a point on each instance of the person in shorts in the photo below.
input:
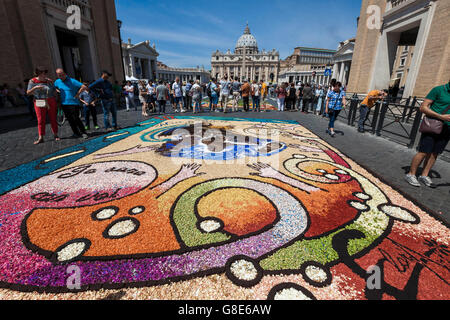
(436, 105)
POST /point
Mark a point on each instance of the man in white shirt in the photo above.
(178, 95)
(225, 87)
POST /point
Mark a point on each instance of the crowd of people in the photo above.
(80, 100)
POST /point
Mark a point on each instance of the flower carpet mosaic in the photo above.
(248, 209)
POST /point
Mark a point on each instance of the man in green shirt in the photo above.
(432, 145)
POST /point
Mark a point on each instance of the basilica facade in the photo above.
(247, 62)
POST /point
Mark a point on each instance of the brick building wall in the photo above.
(365, 50)
(25, 43)
(435, 67)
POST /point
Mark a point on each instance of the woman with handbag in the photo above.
(435, 130)
(43, 91)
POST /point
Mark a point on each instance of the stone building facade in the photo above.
(307, 65)
(422, 24)
(35, 33)
(342, 61)
(247, 61)
(167, 73)
(140, 60)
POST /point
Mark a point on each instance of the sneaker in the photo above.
(85, 136)
(427, 182)
(412, 180)
(87, 128)
(361, 130)
(97, 128)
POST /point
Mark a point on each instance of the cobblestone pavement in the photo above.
(387, 159)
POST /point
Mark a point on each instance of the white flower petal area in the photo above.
(105, 213)
(332, 177)
(121, 228)
(244, 270)
(362, 196)
(137, 210)
(316, 274)
(290, 292)
(398, 213)
(358, 205)
(210, 226)
(72, 250)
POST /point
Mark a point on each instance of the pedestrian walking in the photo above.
(103, 89)
(89, 101)
(300, 96)
(281, 96)
(335, 103)
(435, 135)
(69, 90)
(246, 91)
(44, 93)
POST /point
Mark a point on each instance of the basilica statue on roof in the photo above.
(247, 62)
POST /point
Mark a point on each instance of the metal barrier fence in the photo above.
(398, 120)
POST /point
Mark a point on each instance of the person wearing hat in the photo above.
(104, 91)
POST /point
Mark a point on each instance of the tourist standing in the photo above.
(281, 96)
(236, 89)
(256, 96)
(335, 103)
(177, 96)
(129, 97)
(103, 89)
(43, 91)
(143, 92)
(437, 106)
(320, 93)
(214, 87)
(300, 96)
(225, 87)
(196, 93)
(89, 101)
(69, 90)
(307, 98)
(364, 110)
(264, 93)
(151, 96)
(162, 93)
(246, 90)
(188, 98)
(291, 97)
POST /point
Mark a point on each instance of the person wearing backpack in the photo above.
(435, 135)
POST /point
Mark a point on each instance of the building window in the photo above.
(402, 62)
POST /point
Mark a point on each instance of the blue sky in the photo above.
(187, 32)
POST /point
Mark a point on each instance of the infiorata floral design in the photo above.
(244, 218)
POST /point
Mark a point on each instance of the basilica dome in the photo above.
(247, 40)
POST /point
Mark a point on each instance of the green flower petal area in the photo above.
(292, 219)
(372, 223)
